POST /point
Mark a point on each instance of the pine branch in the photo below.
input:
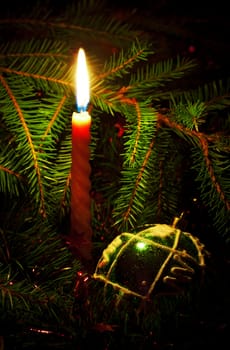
(138, 149)
(122, 63)
(215, 95)
(60, 182)
(90, 20)
(153, 79)
(40, 280)
(212, 169)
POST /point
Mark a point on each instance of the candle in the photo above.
(81, 231)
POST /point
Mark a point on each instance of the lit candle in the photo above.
(81, 231)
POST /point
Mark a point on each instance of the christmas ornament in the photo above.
(158, 260)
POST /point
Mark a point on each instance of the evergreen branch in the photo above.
(206, 174)
(58, 174)
(35, 54)
(143, 80)
(112, 27)
(215, 96)
(52, 24)
(121, 64)
(216, 185)
(138, 112)
(10, 180)
(127, 206)
(36, 76)
(13, 291)
(149, 77)
(191, 115)
(55, 116)
(110, 101)
(39, 61)
(29, 140)
(28, 298)
(182, 130)
(26, 279)
(135, 175)
(11, 172)
(53, 49)
(162, 201)
(66, 189)
(58, 199)
(160, 190)
(139, 178)
(90, 18)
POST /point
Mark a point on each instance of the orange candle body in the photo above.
(81, 231)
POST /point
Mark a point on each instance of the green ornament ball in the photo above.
(160, 259)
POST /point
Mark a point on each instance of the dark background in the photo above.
(198, 29)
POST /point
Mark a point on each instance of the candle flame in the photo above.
(82, 82)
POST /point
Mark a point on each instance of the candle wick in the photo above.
(81, 109)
